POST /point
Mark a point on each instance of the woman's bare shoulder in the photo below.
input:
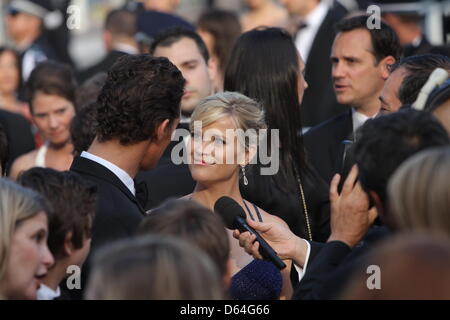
(186, 197)
(22, 163)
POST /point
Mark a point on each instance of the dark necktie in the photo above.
(300, 26)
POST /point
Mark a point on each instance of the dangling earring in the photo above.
(243, 174)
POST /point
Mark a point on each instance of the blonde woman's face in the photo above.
(29, 259)
(215, 152)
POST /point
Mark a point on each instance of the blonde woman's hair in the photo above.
(419, 193)
(154, 267)
(17, 204)
(245, 113)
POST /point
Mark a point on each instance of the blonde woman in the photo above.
(219, 158)
(24, 255)
(419, 193)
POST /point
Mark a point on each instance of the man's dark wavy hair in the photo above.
(384, 143)
(140, 92)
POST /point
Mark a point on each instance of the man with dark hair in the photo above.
(185, 49)
(83, 128)
(384, 143)
(4, 152)
(381, 146)
(406, 18)
(313, 32)
(360, 66)
(438, 104)
(137, 111)
(72, 201)
(118, 38)
(407, 79)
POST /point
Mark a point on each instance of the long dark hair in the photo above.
(264, 65)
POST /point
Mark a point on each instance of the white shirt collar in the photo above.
(184, 119)
(120, 173)
(46, 293)
(124, 47)
(359, 119)
(315, 17)
(313, 21)
(416, 42)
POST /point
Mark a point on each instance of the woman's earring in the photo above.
(243, 173)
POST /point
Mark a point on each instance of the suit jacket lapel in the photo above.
(344, 131)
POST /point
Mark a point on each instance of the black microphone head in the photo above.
(229, 210)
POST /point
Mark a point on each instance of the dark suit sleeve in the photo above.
(323, 260)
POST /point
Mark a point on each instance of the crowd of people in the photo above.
(109, 185)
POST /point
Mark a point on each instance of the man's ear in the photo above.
(68, 245)
(107, 40)
(213, 71)
(378, 203)
(163, 130)
(385, 66)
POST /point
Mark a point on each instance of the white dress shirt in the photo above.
(120, 173)
(359, 119)
(301, 271)
(305, 37)
(46, 293)
(126, 48)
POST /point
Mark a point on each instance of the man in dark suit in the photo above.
(360, 66)
(118, 37)
(313, 31)
(137, 111)
(382, 145)
(405, 18)
(185, 49)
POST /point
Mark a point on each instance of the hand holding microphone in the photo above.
(234, 217)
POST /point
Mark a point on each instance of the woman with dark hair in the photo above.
(10, 82)
(51, 91)
(266, 66)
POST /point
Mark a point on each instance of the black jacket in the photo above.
(331, 265)
(324, 145)
(118, 212)
(319, 101)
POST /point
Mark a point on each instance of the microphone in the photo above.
(234, 218)
(437, 77)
